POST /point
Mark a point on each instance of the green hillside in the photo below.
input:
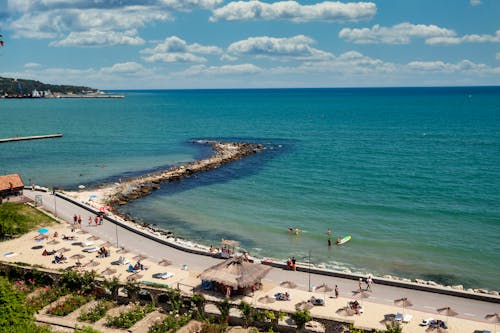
(11, 86)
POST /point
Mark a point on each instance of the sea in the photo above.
(411, 174)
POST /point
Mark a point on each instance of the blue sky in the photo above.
(133, 44)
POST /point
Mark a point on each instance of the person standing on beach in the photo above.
(360, 284)
(90, 220)
(336, 291)
(288, 264)
(294, 264)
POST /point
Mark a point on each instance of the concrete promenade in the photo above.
(425, 303)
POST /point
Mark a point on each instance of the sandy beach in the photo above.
(185, 267)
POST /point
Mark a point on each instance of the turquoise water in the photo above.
(412, 174)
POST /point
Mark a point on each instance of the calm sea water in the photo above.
(413, 175)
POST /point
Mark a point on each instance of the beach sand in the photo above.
(27, 250)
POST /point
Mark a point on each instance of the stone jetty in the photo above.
(224, 152)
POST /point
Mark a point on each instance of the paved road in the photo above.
(422, 301)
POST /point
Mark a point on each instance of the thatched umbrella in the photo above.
(345, 311)
(81, 232)
(77, 256)
(53, 242)
(92, 263)
(165, 262)
(122, 250)
(93, 238)
(304, 305)
(323, 288)
(139, 257)
(448, 312)
(236, 273)
(493, 318)
(108, 271)
(267, 299)
(63, 249)
(106, 244)
(134, 276)
(288, 284)
(403, 302)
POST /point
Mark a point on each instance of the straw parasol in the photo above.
(106, 244)
(62, 250)
(165, 262)
(53, 242)
(230, 242)
(81, 232)
(345, 311)
(304, 305)
(93, 238)
(108, 271)
(323, 288)
(236, 272)
(403, 302)
(267, 299)
(92, 263)
(134, 276)
(122, 250)
(493, 318)
(288, 284)
(139, 257)
(437, 330)
(77, 256)
(448, 312)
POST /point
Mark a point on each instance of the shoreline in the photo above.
(117, 194)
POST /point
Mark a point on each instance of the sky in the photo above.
(192, 44)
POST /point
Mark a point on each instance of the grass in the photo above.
(18, 219)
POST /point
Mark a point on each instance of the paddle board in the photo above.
(344, 240)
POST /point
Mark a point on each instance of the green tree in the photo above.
(301, 317)
(15, 315)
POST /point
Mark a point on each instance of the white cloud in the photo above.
(100, 38)
(129, 68)
(475, 2)
(55, 23)
(175, 49)
(465, 39)
(293, 11)
(464, 66)
(293, 48)
(222, 70)
(397, 34)
(31, 65)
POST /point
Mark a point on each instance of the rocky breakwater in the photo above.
(224, 152)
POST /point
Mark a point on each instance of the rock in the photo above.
(494, 292)
(482, 291)
(387, 277)
(458, 287)
(405, 280)
(432, 283)
(470, 290)
(419, 281)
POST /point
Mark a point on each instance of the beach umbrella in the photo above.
(53, 242)
(93, 238)
(435, 329)
(122, 250)
(92, 263)
(345, 311)
(139, 257)
(267, 299)
(62, 250)
(77, 256)
(323, 288)
(448, 312)
(493, 318)
(43, 230)
(288, 284)
(304, 305)
(403, 302)
(165, 262)
(108, 271)
(134, 276)
(81, 187)
(106, 244)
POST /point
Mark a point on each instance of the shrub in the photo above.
(301, 317)
(69, 305)
(96, 312)
(46, 296)
(127, 319)
(170, 324)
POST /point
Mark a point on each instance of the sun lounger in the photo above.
(427, 322)
(163, 276)
(317, 301)
(86, 244)
(405, 318)
(91, 249)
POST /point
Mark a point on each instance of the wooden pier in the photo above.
(33, 137)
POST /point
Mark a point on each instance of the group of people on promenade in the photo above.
(98, 220)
